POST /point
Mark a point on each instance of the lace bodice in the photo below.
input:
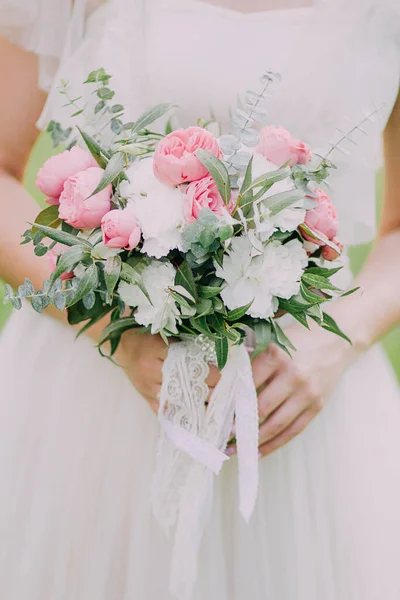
(339, 61)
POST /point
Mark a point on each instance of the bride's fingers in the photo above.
(265, 365)
(213, 376)
(273, 395)
(281, 419)
(288, 434)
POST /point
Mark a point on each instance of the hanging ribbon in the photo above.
(194, 437)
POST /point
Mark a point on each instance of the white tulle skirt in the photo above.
(77, 451)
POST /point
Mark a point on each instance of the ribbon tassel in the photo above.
(192, 448)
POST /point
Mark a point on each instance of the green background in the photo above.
(358, 255)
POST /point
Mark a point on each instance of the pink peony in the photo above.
(52, 256)
(76, 207)
(175, 161)
(57, 169)
(120, 229)
(279, 147)
(323, 218)
(329, 253)
(204, 194)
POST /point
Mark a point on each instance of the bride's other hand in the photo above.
(142, 355)
(294, 390)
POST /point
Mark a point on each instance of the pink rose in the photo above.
(52, 256)
(323, 218)
(76, 207)
(175, 161)
(279, 147)
(204, 194)
(329, 253)
(120, 229)
(57, 169)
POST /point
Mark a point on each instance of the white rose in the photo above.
(158, 209)
(261, 278)
(162, 312)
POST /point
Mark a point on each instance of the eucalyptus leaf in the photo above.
(132, 276)
(37, 304)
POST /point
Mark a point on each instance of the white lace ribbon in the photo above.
(192, 448)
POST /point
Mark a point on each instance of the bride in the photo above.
(78, 434)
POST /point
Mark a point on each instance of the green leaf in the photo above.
(279, 202)
(103, 311)
(168, 127)
(301, 318)
(150, 115)
(318, 282)
(247, 178)
(310, 296)
(68, 261)
(222, 350)
(132, 276)
(217, 322)
(49, 217)
(234, 335)
(117, 327)
(204, 307)
(113, 169)
(208, 291)
(267, 179)
(62, 237)
(238, 313)
(87, 284)
(181, 300)
(318, 237)
(263, 334)
(200, 324)
(184, 277)
(100, 155)
(112, 271)
(323, 271)
(330, 325)
(280, 338)
(218, 171)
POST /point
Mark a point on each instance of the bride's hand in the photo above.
(293, 391)
(142, 355)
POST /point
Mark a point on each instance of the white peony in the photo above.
(286, 220)
(162, 313)
(158, 209)
(261, 277)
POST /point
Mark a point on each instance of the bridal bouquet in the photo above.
(198, 237)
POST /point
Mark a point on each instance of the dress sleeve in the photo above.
(50, 28)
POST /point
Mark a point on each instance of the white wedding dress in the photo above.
(77, 443)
